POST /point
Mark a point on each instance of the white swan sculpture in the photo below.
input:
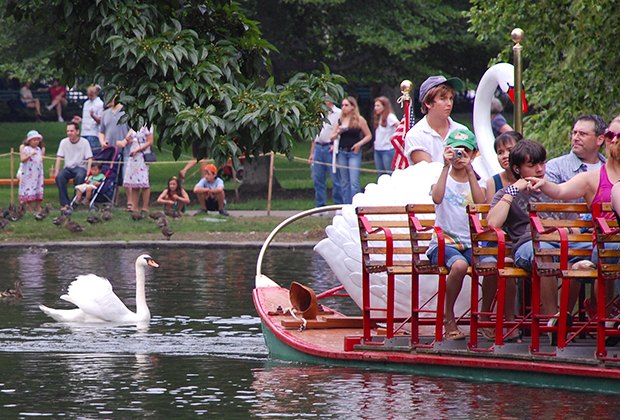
(341, 248)
(97, 303)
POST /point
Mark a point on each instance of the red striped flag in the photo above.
(398, 141)
(400, 160)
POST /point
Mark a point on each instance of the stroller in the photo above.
(111, 163)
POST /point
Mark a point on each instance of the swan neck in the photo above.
(141, 307)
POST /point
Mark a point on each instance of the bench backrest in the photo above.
(560, 223)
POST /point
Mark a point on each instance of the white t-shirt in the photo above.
(74, 154)
(451, 214)
(89, 125)
(326, 131)
(384, 134)
(423, 137)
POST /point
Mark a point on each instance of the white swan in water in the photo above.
(97, 302)
(341, 248)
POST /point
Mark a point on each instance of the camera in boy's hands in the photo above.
(458, 153)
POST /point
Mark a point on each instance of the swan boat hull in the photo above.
(333, 340)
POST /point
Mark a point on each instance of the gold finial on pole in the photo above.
(405, 88)
(517, 35)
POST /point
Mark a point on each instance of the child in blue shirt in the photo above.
(210, 191)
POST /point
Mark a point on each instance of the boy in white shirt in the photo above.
(458, 185)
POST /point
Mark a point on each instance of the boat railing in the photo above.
(262, 280)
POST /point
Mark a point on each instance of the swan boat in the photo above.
(297, 327)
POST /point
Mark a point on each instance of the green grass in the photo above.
(291, 174)
(123, 228)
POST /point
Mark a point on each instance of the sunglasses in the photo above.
(610, 135)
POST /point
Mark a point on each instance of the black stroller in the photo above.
(111, 163)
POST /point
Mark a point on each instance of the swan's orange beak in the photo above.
(152, 262)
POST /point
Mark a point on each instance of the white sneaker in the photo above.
(49, 107)
(60, 119)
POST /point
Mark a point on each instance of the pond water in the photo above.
(203, 352)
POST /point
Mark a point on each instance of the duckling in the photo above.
(167, 232)
(137, 215)
(162, 221)
(93, 219)
(73, 226)
(13, 293)
(106, 215)
(43, 213)
(156, 215)
(59, 220)
(14, 214)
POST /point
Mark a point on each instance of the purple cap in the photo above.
(433, 81)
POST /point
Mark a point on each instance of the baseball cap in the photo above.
(433, 81)
(462, 137)
(33, 134)
(211, 168)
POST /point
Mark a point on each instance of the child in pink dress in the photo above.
(31, 179)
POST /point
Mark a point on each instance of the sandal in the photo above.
(513, 337)
(488, 333)
(454, 334)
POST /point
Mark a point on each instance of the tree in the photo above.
(567, 68)
(193, 69)
(373, 43)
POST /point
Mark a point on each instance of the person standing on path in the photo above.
(321, 160)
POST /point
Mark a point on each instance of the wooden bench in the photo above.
(379, 245)
(608, 247)
(490, 248)
(564, 228)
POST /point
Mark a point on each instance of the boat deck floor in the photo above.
(329, 330)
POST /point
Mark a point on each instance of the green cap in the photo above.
(462, 137)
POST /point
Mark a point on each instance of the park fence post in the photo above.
(270, 185)
(12, 167)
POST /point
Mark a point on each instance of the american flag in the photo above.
(398, 139)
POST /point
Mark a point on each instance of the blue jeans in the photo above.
(452, 255)
(349, 170)
(383, 161)
(78, 175)
(95, 146)
(524, 255)
(320, 168)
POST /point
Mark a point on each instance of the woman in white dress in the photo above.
(136, 181)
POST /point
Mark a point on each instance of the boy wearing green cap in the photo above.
(458, 185)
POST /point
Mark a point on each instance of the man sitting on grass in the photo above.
(210, 191)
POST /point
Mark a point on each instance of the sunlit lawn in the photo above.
(291, 174)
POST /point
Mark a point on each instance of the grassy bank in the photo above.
(122, 227)
(293, 175)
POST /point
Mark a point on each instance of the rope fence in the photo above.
(11, 180)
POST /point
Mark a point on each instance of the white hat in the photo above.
(33, 134)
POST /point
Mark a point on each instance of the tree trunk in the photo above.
(256, 177)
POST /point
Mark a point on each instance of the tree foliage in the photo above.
(569, 63)
(373, 42)
(193, 69)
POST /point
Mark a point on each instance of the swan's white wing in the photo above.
(94, 295)
(341, 249)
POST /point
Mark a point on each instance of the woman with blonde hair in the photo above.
(384, 122)
(353, 131)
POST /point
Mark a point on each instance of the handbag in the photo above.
(149, 157)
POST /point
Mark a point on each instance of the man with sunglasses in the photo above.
(587, 138)
(593, 186)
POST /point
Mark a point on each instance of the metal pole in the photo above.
(12, 180)
(517, 36)
(270, 185)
